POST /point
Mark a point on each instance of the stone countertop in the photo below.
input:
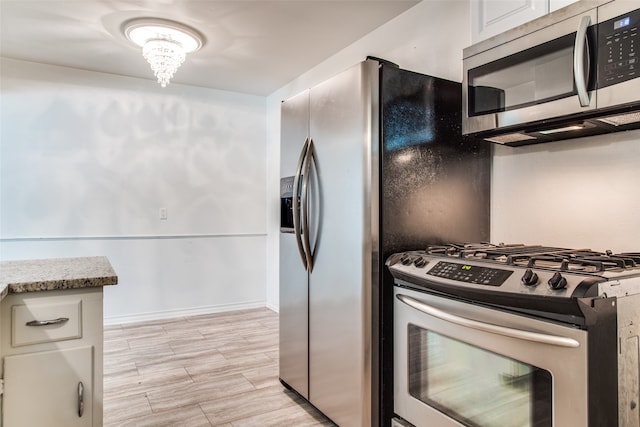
(55, 274)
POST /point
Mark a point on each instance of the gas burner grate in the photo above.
(465, 250)
(491, 251)
(530, 256)
(571, 262)
(632, 257)
(443, 249)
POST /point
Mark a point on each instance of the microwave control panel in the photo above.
(618, 46)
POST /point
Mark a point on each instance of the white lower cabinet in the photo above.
(51, 349)
(49, 388)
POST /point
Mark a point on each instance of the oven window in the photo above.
(476, 387)
(539, 74)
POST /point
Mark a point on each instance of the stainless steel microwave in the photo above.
(574, 72)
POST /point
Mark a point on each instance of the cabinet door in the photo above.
(491, 17)
(42, 389)
(559, 4)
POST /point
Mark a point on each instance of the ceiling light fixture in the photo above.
(164, 44)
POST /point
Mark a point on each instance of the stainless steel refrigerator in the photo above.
(372, 163)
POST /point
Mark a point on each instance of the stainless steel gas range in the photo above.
(515, 335)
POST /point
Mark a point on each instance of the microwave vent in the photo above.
(510, 138)
(622, 119)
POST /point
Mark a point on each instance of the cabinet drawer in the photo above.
(45, 322)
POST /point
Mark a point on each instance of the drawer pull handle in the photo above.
(48, 322)
(80, 399)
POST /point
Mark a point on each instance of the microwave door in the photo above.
(546, 74)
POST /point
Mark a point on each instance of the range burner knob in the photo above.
(420, 262)
(406, 259)
(529, 278)
(557, 281)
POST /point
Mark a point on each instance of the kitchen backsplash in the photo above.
(580, 192)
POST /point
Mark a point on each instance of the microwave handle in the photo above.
(488, 327)
(578, 61)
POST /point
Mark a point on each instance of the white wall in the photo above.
(427, 38)
(88, 159)
(579, 193)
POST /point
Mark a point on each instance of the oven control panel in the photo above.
(432, 271)
(470, 273)
(530, 277)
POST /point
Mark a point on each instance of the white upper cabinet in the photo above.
(491, 17)
(559, 4)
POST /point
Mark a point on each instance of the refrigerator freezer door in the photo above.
(343, 125)
(294, 130)
(294, 291)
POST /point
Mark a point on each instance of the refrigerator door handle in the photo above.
(306, 176)
(296, 202)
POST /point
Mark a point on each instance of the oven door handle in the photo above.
(487, 327)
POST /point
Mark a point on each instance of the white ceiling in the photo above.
(253, 47)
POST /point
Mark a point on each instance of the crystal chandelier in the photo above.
(164, 56)
(164, 44)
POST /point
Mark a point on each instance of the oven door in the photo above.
(460, 364)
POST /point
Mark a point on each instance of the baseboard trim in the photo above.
(273, 307)
(194, 311)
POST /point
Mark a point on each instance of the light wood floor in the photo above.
(211, 370)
